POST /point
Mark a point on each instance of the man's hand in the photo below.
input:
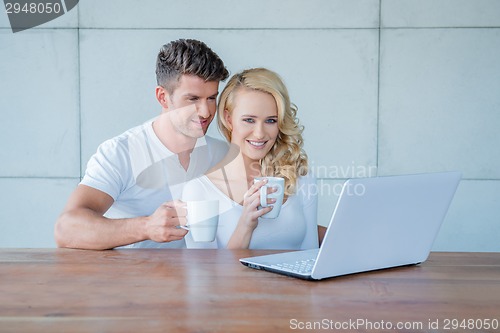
(163, 224)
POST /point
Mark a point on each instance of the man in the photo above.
(128, 193)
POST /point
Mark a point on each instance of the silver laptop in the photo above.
(378, 223)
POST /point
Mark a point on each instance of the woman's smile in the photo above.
(257, 144)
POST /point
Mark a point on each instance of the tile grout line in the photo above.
(318, 178)
(378, 86)
(79, 97)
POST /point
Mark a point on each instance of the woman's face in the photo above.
(254, 123)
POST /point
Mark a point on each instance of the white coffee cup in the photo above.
(279, 184)
(202, 220)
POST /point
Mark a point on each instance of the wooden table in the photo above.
(58, 290)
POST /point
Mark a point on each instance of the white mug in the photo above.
(202, 220)
(279, 184)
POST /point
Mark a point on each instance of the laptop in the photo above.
(377, 223)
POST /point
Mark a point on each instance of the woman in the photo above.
(255, 115)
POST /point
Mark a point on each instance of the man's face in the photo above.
(192, 105)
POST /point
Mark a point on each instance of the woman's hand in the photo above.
(249, 218)
(251, 202)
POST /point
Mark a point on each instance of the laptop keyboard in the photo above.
(300, 267)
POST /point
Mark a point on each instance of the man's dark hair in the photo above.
(191, 57)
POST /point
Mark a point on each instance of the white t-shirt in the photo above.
(140, 173)
(295, 228)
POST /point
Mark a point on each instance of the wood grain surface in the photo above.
(146, 290)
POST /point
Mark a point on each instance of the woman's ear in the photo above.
(228, 119)
(162, 97)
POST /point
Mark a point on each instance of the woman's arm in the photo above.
(242, 235)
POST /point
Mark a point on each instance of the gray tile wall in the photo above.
(383, 87)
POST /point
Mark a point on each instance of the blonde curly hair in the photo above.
(286, 158)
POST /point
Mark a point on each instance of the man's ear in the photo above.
(162, 97)
(228, 119)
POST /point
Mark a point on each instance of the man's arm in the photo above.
(82, 224)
